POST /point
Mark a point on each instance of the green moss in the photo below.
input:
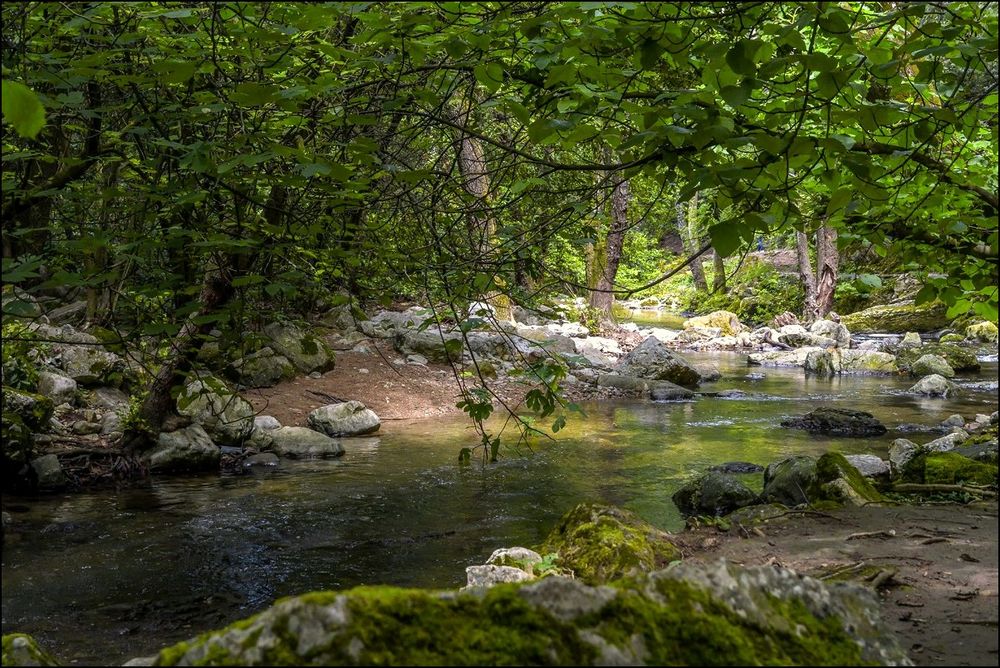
(35, 410)
(602, 543)
(953, 468)
(895, 318)
(838, 481)
(952, 338)
(986, 435)
(958, 358)
(20, 649)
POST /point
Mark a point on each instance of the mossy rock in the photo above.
(901, 317)
(727, 321)
(839, 481)
(958, 358)
(20, 649)
(603, 543)
(984, 332)
(700, 615)
(948, 468)
(35, 410)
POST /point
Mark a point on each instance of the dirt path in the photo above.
(941, 599)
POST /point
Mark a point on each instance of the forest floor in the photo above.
(941, 599)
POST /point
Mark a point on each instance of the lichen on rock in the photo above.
(20, 649)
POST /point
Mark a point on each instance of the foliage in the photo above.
(756, 293)
(20, 368)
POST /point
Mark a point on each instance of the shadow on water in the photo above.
(104, 576)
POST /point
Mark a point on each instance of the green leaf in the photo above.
(22, 109)
(737, 95)
(725, 238)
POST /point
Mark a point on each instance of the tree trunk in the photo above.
(690, 248)
(719, 274)
(827, 261)
(601, 298)
(809, 309)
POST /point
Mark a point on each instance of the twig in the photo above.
(891, 533)
(883, 577)
(937, 488)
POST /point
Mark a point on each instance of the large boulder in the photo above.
(187, 449)
(839, 481)
(713, 493)
(263, 368)
(822, 362)
(653, 360)
(786, 481)
(837, 422)
(49, 473)
(948, 468)
(983, 332)
(303, 443)
(348, 418)
(227, 416)
(716, 614)
(20, 649)
(806, 339)
(726, 322)
(832, 330)
(958, 358)
(935, 386)
(927, 365)
(34, 410)
(603, 543)
(658, 390)
(868, 362)
(435, 346)
(303, 349)
(795, 357)
(60, 389)
(870, 466)
(903, 316)
(81, 356)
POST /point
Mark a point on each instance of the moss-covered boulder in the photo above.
(951, 337)
(948, 468)
(263, 368)
(225, 415)
(303, 349)
(935, 386)
(20, 649)
(713, 493)
(903, 316)
(653, 360)
(839, 481)
(720, 614)
(983, 332)
(727, 322)
(34, 410)
(603, 543)
(867, 362)
(926, 365)
(786, 481)
(958, 358)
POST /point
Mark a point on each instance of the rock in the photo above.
(839, 481)
(82, 427)
(263, 368)
(489, 575)
(931, 364)
(61, 389)
(984, 332)
(344, 341)
(900, 453)
(786, 481)
(832, 330)
(518, 557)
(20, 649)
(806, 339)
(304, 350)
(227, 416)
(837, 422)
(823, 362)
(795, 357)
(713, 493)
(111, 423)
(958, 358)
(35, 410)
(266, 422)
(951, 337)
(263, 459)
(652, 360)
(49, 473)
(110, 398)
(870, 466)
(436, 347)
(737, 467)
(349, 418)
(16, 303)
(948, 442)
(871, 362)
(664, 390)
(300, 443)
(910, 340)
(603, 543)
(900, 317)
(419, 360)
(727, 323)
(627, 384)
(718, 614)
(935, 386)
(187, 449)
(948, 468)
(953, 421)
(981, 452)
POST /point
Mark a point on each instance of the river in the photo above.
(106, 575)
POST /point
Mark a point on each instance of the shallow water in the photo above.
(105, 576)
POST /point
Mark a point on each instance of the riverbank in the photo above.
(934, 567)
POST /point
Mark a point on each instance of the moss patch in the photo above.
(948, 468)
(839, 481)
(20, 649)
(602, 543)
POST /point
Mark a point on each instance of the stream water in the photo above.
(105, 576)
